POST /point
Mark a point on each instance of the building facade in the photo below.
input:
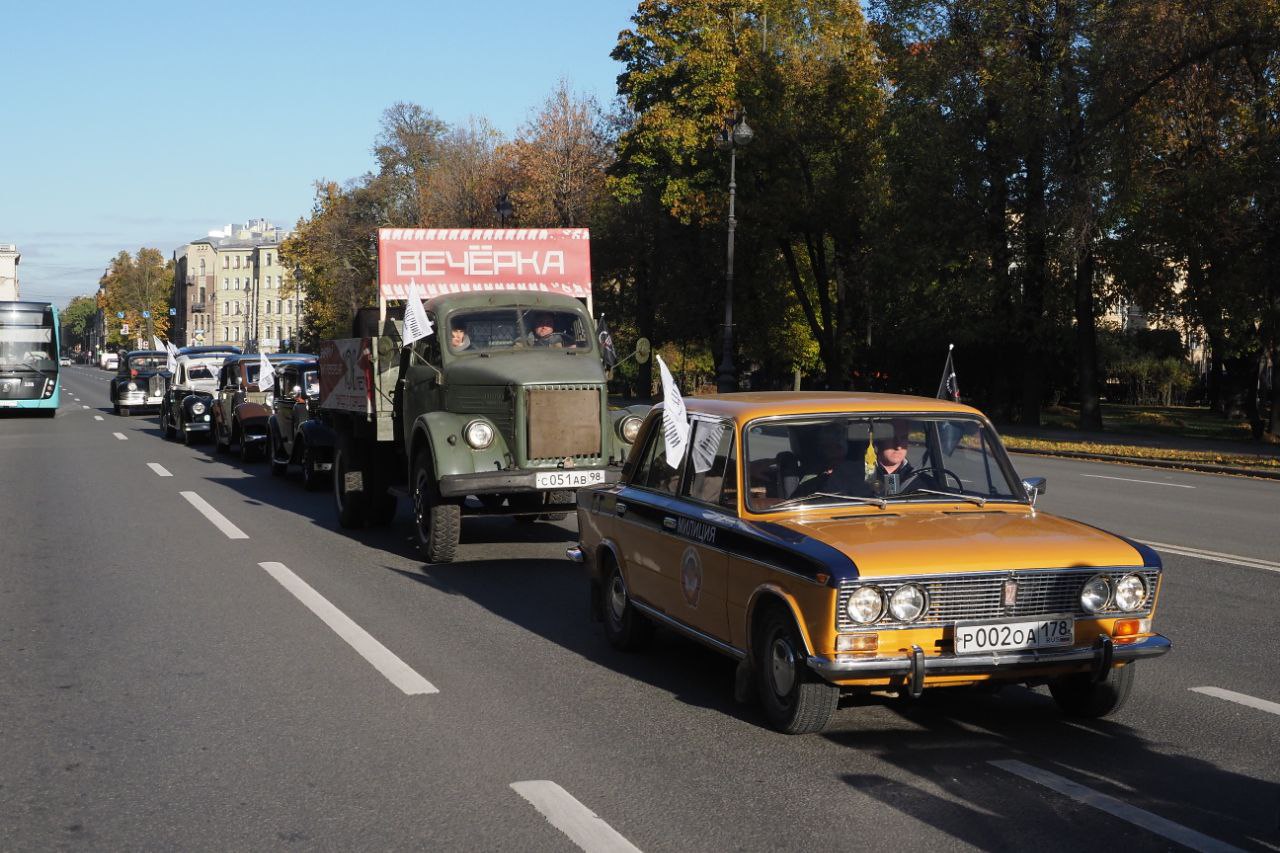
(9, 258)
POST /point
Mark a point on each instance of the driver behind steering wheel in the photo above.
(893, 471)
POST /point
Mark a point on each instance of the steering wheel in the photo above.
(920, 472)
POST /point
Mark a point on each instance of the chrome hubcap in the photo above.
(617, 598)
(783, 664)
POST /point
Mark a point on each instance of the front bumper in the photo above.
(137, 398)
(917, 665)
(506, 483)
(197, 426)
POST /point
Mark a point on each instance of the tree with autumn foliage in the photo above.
(134, 284)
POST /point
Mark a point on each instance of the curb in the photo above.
(1202, 467)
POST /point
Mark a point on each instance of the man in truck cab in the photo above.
(544, 332)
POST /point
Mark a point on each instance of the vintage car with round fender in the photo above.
(836, 542)
(296, 434)
(241, 408)
(186, 411)
(139, 381)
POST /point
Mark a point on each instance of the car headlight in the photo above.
(908, 602)
(478, 434)
(1131, 592)
(1096, 594)
(629, 428)
(132, 386)
(865, 605)
(197, 408)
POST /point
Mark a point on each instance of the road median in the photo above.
(1212, 461)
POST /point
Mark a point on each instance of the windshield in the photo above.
(492, 329)
(848, 459)
(311, 383)
(199, 371)
(148, 363)
(26, 341)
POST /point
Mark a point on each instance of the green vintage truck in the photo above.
(503, 410)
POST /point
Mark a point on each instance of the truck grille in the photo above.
(1041, 592)
(563, 422)
(494, 402)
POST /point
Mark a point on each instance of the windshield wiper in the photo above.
(977, 499)
(880, 502)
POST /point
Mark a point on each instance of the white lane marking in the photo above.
(1132, 480)
(1241, 698)
(121, 436)
(82, 406)
(97, 417)
(1234, 559)
(159, 469)
(1175, 832)
(571, 817)
(218, 519)
(383, 659)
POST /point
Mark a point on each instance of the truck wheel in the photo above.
(438, 521)
(1080, 696)
(795, 701)
(278, 468)
(350, 505)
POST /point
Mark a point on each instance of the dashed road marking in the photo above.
(1215, 556)
(1132, 480)
(383, 659)
(97, 417)
(1239, 698)
(82, 406)
(159, 469)
(571, 817)
(121, 436)
(1175, 832)
(218, 519)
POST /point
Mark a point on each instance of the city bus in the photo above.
(30, 343)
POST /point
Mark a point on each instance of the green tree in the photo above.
(77, 321)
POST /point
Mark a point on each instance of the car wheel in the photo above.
(278, 468)
(624, 627)
(350, 505)
(185, 434)
(312, 480)
(1080, 696)
(219, 444)
(169, 431)
(248, 449)
(795, 701)
(438, 521)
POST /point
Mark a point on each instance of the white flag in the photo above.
(158, 344)
(266, 373)
(416, 323)
(171, 363)
(706, 442)
(675, 423)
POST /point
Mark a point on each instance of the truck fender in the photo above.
(433, 431)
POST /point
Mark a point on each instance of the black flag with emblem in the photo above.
(948, 388)
(607, 353)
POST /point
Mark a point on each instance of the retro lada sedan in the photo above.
(835, 542)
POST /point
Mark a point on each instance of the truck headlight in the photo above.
(865, 605)
(908, 602)
(197, 408)
(478, 434)
(1131, 592)
(132, 386)
(629, 428)
(1096, 594)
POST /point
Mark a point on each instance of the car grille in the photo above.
(1041, 592)
(563, 422)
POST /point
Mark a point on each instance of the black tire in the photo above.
(278, 468)
(187, 438)
(248, 450)
(349, 505)
(312, 480)
(795, 701)
(624, 627)
(170, 432)
(438, 521)
(218, 444)
(1080, 696)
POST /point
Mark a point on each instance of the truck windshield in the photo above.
(516, 328)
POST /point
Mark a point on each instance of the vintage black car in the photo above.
(187, 407)
(295, 432)
(241, 407)
(139, 383)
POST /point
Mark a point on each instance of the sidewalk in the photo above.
(1253, 459)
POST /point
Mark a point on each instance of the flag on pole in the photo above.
(607, 353)
(171, 363)
(416, 323)
(266, 373)
(948, 388)
(675, 423)
(156, 343)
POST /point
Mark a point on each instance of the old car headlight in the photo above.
(908, 602)
(1096, 594)
(865, 605)
(1131, 591)
(478, 434)
(132, 386)
(197, 408)
(629, 428)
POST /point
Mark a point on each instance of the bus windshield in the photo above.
(27, 340)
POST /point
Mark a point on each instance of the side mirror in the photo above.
(297, 390)
(643, 350)
(1034, 486)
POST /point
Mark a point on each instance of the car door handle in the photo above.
(669, 523)
(619, 508)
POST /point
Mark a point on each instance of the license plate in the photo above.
(567, 479)
(1012, 635)
(8, 404)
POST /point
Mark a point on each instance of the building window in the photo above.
(202, 266)
(202, 294)
(226, 284)
(286, 306)
(268, 261)
(278, 311)
(237, 262)
(226, 261)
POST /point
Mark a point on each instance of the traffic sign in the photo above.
(124, 328)
(173, 312)
(146, 315)
(120, 315)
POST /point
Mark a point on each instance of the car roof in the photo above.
(211, 350)
(271, 356)
(757, 404)
(505, 299)
(141, 352)
(300, 362)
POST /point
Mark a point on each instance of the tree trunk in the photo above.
(1087, 345)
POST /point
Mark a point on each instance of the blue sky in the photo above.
(128, 124)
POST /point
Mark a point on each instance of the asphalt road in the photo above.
(166, 685)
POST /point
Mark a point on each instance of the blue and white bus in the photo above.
(30, 343)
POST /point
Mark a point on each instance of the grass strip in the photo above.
(1243, 460)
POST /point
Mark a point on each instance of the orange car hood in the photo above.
(940, 541)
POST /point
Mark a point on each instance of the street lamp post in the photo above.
(735, 134)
